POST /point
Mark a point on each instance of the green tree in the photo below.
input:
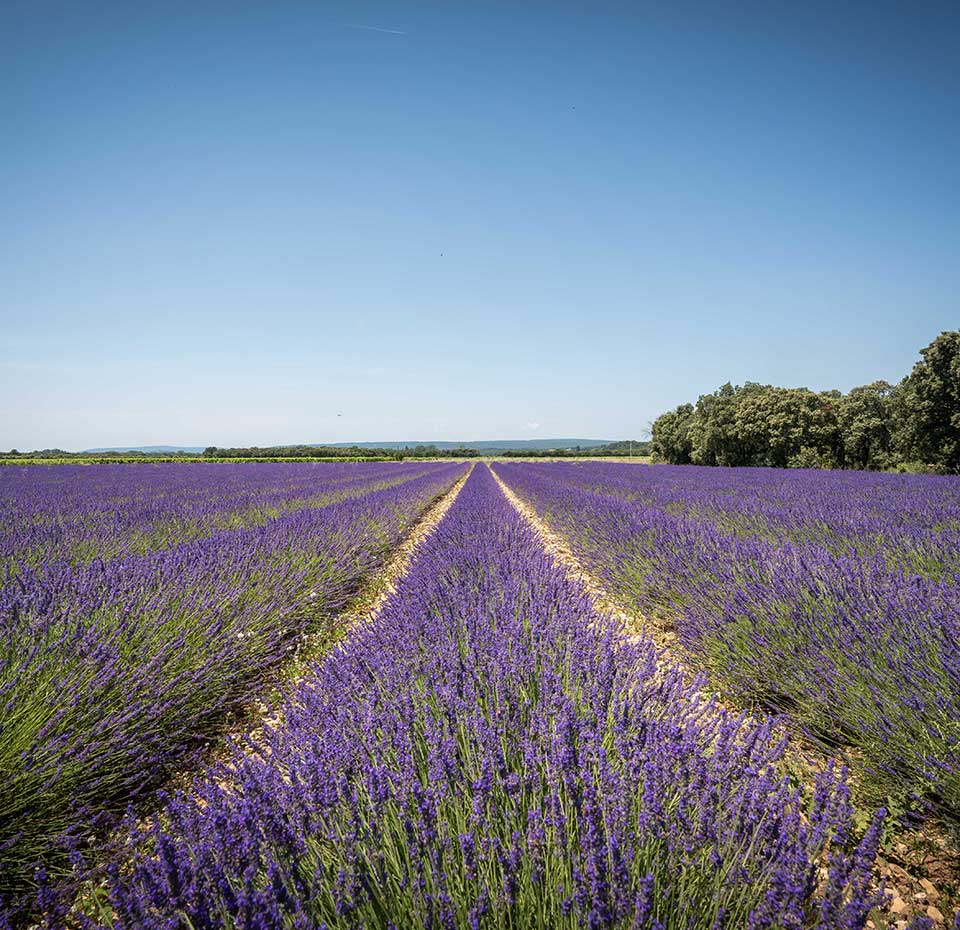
(874, 426)
(711, 430)
(789, 427)
(671, 440)
(720, 435)
(930, 428)
(867, 425)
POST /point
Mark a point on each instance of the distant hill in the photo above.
(146, 449)
(483, 445)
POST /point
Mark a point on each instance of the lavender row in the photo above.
(492, 753)
(111, 673)
(859, 653)
(74, 513)
(909, 523)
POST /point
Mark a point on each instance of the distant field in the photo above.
(94, 459)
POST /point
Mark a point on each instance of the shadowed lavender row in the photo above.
(848, 638)
(112, 672)
(492, 753)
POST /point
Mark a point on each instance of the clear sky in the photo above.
(265, 222)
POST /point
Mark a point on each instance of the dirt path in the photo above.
(603, 601)
(364, 609)
(372, 599)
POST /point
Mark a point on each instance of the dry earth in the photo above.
(364, 609)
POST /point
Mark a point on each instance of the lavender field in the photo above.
(490, 749)
(139, 604)
(831, 597)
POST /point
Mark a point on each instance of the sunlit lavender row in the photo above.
(490, 752)
(834, 597)
(114, 671)
(75, 513)
(911, 521)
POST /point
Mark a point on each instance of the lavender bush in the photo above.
(492, 753)
(113, 671)
(834, 597)
(911, 521)
(74, 513)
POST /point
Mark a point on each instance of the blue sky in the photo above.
(230, 222)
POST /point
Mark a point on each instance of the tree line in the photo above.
(620, 448)
(623, 447)
(300, 451)
(910, 426)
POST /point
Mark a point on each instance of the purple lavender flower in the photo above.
(535, 767)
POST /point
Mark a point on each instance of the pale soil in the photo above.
(248, 721)
(371, 601)
(602, 600)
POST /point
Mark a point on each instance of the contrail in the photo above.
(393, 32)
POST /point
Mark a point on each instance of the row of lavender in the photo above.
(911, 522)
(492, 753)
(112, 672)
(74, 513)
(832, 597)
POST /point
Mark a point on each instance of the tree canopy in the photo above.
(876, 426)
